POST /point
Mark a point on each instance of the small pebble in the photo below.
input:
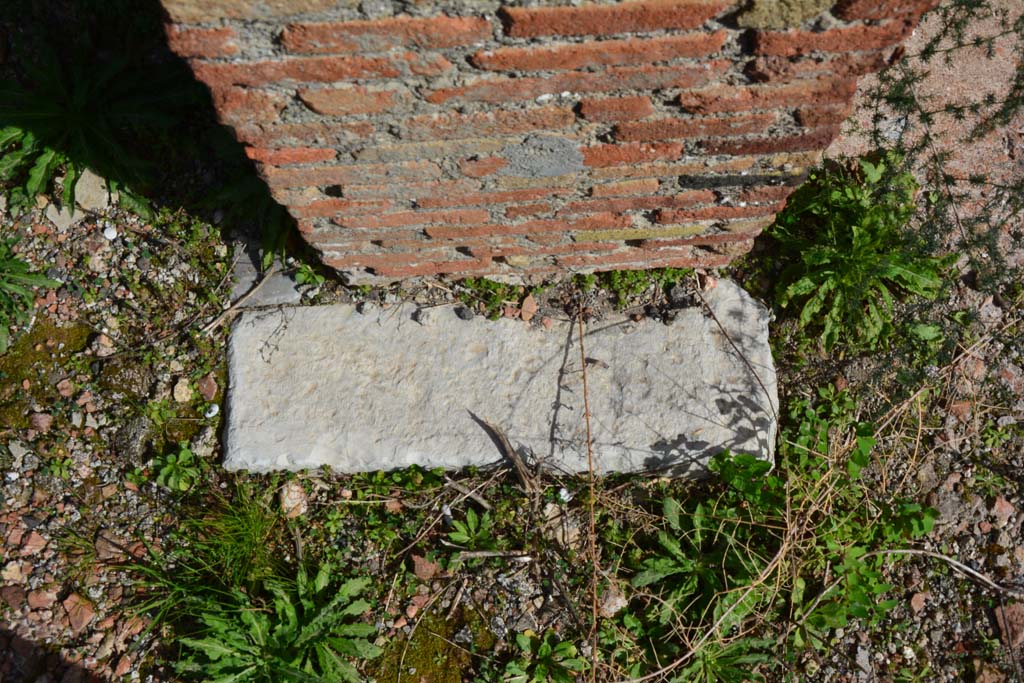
(212, 411)
(182, 391)
(110, 232)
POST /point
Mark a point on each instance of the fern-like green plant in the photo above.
(16, 283)
(308, 630)
(852, 256)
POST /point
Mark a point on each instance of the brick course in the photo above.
(530, 140)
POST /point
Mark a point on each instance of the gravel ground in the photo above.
(123, 362)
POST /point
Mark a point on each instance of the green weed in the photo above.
(59, 468)
(16, 283)
(179, 470)
(801, 546)
(544, 658)
(302, 630)
(626, 285)
(491, 295)
(305, 274)
(236, 611)
(851, 256)
(475, 533)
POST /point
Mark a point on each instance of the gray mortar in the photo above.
(543, 156)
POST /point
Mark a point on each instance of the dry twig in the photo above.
(592, 531)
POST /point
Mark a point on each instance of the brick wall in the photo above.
(479, 137)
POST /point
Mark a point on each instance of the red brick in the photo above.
(336, 206)
(545, 238)
(480, 167)
(667, 129)
(381, 35)
(644, 186)
(818, 138)
(510, 182)
(598, 221)
(813, 117)
(318, 69)
(600, 156)
(500, 89)
(404, 218)
(725, 98)
(487, 198)
(522, 210)
(246, 106)
(616, 109)
(317, 132)
(764, 193)
(602, 53)
(599, 20)
(201, 42)
(683, 199)
(875, 10)
(421, 241)
(775, 68)
(484, 124)
(290, 155)
(714, 213)
(344, 174)
(352, 99)
(843, 39)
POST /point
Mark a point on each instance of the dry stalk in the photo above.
(233, 308)
(956, 565)
(592, 530)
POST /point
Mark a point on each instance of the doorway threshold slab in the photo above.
(313, 386)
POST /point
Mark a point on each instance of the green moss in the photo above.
(37, 357)
(125, 375)
(429, 652)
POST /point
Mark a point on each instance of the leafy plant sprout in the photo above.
(179, 470)
(846, 231)
(544, 658)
